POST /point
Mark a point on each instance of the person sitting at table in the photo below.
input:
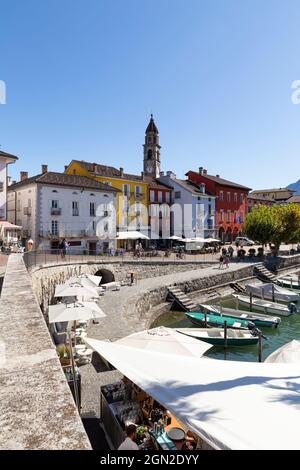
(129, 443)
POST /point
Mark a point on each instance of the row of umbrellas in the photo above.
(84, 287)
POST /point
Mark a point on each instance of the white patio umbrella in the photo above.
(75, 289)
(74, 312)
(85, 280)
(289, 352)
(131, 235)
(167, 341)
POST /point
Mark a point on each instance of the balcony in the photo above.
(27, 210)
(55, 211)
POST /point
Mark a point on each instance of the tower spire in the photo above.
(152, 150)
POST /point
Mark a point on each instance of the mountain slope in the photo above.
(295, 186)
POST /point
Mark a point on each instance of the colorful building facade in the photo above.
(231, 202)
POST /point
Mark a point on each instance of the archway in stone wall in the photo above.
(107, 276)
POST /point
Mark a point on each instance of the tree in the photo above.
(260, 224)
(277, 224)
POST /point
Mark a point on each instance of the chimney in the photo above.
(218, 176)
(66, 166)
(94, 166)
(204, 172)
(170, 174)
(201, 170)
(9, 181)
(121, 172)
(14, 182)
(161, 173)
(23, 175)
(44, 168)
(142, 175)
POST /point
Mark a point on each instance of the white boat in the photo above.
(289, 281)
(258, 319)
(266, 306)
(271, 291)
(215, 336)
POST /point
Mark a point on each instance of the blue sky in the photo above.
(82, 78)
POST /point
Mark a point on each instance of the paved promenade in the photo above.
(37, 410)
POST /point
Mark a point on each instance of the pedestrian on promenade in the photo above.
(230, 251)
(221, 264)
(63, 248)
(226, 261)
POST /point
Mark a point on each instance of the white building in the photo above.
(52, 206)
(193, 207)
(5, 159)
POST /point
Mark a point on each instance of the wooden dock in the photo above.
(181, 300)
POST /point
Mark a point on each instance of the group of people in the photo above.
(226, 255)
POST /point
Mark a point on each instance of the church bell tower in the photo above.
(152, 150)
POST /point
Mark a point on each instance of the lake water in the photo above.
(288, 329)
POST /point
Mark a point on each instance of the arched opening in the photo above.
(149, 154)
(107, 276)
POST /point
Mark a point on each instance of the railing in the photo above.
(78, 255)
(55, 211)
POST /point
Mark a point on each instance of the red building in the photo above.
(159, 215)
(231, 203)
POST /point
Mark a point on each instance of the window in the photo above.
(138, 190)
(54, 228)
(160, 196)
(54, 204)
(74, 172)
(177, 194)
(221, 196)
(18, 205)
(106, 227)
(149, 154)
(209, 209)
(92, 209)
(29, 202)
(235, 197)
(152, 195)
(241, 198)
(54, 191)
(107, 182)
(75, 208)
(235, 216)
(126, 189)
(167, 198)
(228, 216)
(221, 215)
(75, 243)
(94, 225)
(228, 196)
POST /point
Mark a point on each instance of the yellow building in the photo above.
(132, 202)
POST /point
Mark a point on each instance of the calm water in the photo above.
(288, 329)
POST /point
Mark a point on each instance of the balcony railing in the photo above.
(55, 211)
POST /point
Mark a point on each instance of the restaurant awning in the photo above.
(231, 405)
(74, 312)
(131, 235)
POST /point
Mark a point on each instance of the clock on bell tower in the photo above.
(152, 150)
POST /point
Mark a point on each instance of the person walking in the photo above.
(63, 247)
(226, 261)
(221, 262)
(230, 251)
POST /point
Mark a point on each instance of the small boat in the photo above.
(265, 321)
(198, 318)
(266, 306)
(291, 282)
(215, 336)
(270, 291)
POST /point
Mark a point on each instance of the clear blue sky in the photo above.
(83, 77)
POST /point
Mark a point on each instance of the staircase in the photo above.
(181, 300)
(237, 287)
(264, 274)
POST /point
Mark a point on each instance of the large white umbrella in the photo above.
(165, 340)
(86, 280)
(74, 312)
(289, 352)
(131, 235)
(75, 289)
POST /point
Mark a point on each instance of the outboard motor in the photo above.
(254, 330)
(292, 307)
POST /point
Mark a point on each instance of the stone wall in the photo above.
(283, 262)
(144, 307)
(46, 278)
(37, 410)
